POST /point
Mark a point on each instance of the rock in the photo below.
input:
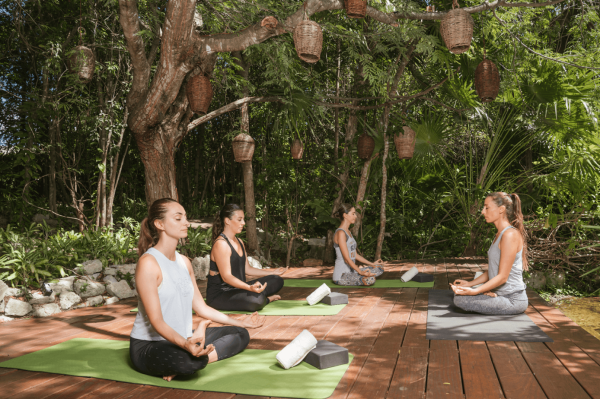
(317, 242)
(68, 300)
(109, 279)
(46, 310)
(120, 290)
(128, 268)
(3, 289)
(312, 262)
(112, 300)
(2, 306)
(95, 300)
(16, 292)
(64, 284)
(4, 319)
(86, 288)
(254, 263)
(201, 266)
(96, 275)
(40, 219)
(556, 279)
(536, 280)
(40, 299)
(15, 307)
(91, 266)
(110, 271)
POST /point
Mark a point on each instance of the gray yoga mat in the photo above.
(448, 322)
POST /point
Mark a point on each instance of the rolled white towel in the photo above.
(318, 294)
(296, 350)
(477, 275)
(409, 274)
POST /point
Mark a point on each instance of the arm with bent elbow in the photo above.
(341, 241)
(222, 255)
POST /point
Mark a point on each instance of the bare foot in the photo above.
(274, 298)
(168, 377)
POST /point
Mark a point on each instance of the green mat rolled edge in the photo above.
(254, 372)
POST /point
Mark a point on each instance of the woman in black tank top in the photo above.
(227, 288)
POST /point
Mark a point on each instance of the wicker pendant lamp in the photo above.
(243, 147)
(199, 93)
(297, 149)
(308, 40)
(487, 79)
(405, 143)
(365, 147)
(356, 8)
(457, 29)
(82, 60)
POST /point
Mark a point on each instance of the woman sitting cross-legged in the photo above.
(502, 286)
(162, 341)
(346, 272)
(227, 288)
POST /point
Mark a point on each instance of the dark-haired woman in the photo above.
(227, 288)
(502, 291)
(346, 272)
(162, 341)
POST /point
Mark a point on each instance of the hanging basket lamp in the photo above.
(297, 149)
(199, 93)
(243, 147)
(356, 8)
(457, 29)
(82, 60)
(366, 145)
(308, 40)
(487, 80)
(405, 143)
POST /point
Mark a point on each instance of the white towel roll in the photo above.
(477, 275)
(318, 294)
(296, 350)
(409, 274)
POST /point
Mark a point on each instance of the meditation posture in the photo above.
(227, 288)
(162, 341)
(502, 286)
(346, 272)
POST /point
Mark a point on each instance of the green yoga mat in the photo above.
(306, 283)
(252, 372)
(291, 308)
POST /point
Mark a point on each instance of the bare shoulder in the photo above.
(511, 236)
(221, 246)
(340, 236)
(147, 264)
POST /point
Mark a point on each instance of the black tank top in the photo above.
(215, 284)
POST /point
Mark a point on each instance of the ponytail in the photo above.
(149, 233)
(512, 203)
(219, 225)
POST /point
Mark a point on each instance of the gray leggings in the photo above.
(515, 303)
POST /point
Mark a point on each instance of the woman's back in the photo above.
(215, 284)
(341, 266)
(514, 283)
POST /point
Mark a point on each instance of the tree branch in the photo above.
(129, 18)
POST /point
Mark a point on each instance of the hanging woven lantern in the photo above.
(243, 147)
(356, 8)
(405, 143)
(297, 149)
(199, 93)
(487, 81)
(82, 62)
(308, 40)
(366, 145)
(457, 29)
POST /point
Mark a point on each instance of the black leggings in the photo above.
(162, 358)
(239, 299)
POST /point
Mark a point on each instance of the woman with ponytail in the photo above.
(227, 288)
(502, 285)
(162, 341)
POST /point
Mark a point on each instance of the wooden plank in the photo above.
(417, 324)
(443, 376)
(144, 392)
(216, 395)
(360, 356)
(20, 380)
(513, 372)
(410, 374)
(77, 390)
(479, 377)
(51, 387)
(112, 390)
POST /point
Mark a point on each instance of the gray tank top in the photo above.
(515, 278)
(175, 294)
(341, 266)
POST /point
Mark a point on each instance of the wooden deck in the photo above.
(383, 328)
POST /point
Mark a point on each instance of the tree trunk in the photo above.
(55, 125)
(336, 111)
(115, 171)
(200, 145)
(382, 218)
(362, 188)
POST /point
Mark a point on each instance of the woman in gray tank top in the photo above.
(501, 290)
(346, 272)
(162, 341)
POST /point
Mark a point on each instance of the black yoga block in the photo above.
(327, 354)
(335, 298)
(423, 278)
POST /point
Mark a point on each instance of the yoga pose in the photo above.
(502, 286)
(346, 272)
(162, 341)
(227, 288)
